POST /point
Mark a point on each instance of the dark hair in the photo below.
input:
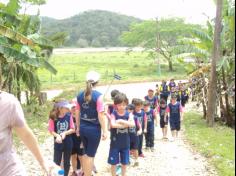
(114, 93)
(88, 90)
(130, 107)
(54, 113)
(137, 102)
(163, 101)
(146, 103)
(119, 98)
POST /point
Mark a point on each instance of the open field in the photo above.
(132, 67)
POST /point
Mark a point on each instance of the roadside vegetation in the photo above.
(217, 143)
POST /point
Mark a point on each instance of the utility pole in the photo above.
(158, 48)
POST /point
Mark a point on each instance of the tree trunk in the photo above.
(170, 65)
(229, 119)
(211, 106)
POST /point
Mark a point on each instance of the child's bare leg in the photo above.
(88, 165)
(113, 170)
(165, 131)
(81, 162)
(173, 133)
(123, 167)
(135, 157)
(74, 162)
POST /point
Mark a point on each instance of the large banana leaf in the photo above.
(12, 54)
(13, 7)
(49, 67)
(43, 42)
(13, 35)
(11, 19)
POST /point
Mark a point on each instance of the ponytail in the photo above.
(88, 90)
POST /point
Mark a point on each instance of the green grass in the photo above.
(133, 67)
(217, 144)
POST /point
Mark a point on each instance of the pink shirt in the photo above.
(11, 116)
(51, 126)
(100, 105)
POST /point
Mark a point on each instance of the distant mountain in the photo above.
(94, 28)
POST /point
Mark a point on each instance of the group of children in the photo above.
(128, 123)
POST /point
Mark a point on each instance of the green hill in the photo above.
(94, 28)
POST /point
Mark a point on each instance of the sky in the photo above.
(194, 11)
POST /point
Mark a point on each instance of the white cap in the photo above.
(93, 76)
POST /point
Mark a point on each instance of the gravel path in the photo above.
(169, 158)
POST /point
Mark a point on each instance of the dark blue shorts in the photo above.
(134, 142)
(163, 123)
(90, 138)
(117, 156)
(77, 145)
(174, 125)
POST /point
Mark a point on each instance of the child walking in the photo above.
(61, 126)
(152, 99)
(175, 111)
(134, 133)
(163, 123)
(164, 90)
(151, 116)
(141, 116)
(121, 120)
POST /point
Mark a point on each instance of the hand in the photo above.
(58, 139)
(145, 130)
(165, 120)
(77, 132)
(120, 121)
(48, 168)
(139, 132)
(63, 135)
(104, 136)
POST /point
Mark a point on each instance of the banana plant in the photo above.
(22, 50)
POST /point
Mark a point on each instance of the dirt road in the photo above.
(169, 158)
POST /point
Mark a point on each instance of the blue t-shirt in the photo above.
(174, 112)
(88, 110)
(62, 125)
(164, 90)
(140, 116)
(120, 136)
(150, 120)
(134, 130)
(152, 101)
(162, 112)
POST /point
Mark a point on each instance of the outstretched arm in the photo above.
(28, 138)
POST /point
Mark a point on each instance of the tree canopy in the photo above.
(95, 28)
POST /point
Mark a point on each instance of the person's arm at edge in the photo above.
(28, 138)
